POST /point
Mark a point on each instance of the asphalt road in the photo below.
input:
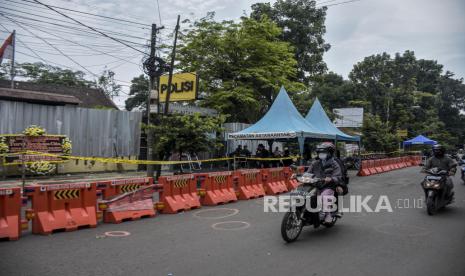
(243, 240)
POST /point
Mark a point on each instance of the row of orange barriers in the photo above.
(375, 166)
(70, 206)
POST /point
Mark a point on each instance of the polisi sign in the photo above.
(183, 87)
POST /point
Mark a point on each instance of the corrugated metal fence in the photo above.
(93, 132)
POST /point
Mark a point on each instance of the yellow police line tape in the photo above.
(142, 162)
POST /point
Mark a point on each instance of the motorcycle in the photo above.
(296, 218)
(434, 188)
(462, 169)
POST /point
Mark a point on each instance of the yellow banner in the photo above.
(184, 87)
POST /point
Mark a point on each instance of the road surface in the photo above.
(244, 240)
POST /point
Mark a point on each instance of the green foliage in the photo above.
(108, 84)
(406, 93)
(186, 134)
(138, 93)
(39, 72)
(303, 27)
(377, 135)
(242, 65)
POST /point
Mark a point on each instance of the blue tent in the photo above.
(318, 118)
(282, 121)
(419, 140)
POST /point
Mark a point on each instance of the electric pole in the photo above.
(170, 77)
(152, 71)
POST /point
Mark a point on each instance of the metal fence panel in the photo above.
(93, 132)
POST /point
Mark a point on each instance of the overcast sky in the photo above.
(433, 29)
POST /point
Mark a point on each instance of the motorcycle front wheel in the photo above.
(431, 205)
(291, 226)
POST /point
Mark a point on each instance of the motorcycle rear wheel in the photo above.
(291, 227)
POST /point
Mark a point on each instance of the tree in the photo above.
(303, 27)
(108, 84)
(242, 65)
(138, 93)
(185, 134)
(406, 93)
(39, 72)
(377, 135)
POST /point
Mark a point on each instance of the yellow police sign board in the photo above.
(184, 87)
(402, 133)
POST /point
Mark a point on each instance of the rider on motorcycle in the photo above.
(443, 162)
(327, 168)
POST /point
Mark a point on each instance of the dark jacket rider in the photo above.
(443, 162)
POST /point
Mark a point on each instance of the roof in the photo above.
(88, 97)
(281, 121)
(420, 140)
(20, 95)
(319, 119)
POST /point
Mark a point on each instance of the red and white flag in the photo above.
(7, 49)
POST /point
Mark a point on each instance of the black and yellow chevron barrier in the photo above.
(220, 179)
(129, 188)
(66, 194)
(181, 183)
(275, 174)
(251, 176)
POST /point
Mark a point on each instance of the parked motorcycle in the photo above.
(435, 192)
(294, 220)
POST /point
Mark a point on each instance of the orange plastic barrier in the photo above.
(111, 188)
(179, 193)
(10, 213)
(291, 184)
(62, 207)
(364, 171)
(378, 165)
(371, 167)
(129, 206)
(217, 188)
(249, 184)
(274, 181)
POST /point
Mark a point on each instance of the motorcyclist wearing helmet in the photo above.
(327, 168)
(443, 162)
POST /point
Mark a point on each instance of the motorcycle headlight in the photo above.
(436, 185)
(304, 179)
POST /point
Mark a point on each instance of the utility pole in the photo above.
(12, 72)
(170, 77)
(150, 67)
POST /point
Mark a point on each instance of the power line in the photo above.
(159, 13)
(26, 6)
(340, 3)
(71, 27)
(68, 57)
(67, 28)
(85, 46)
(96, 15)
(61, 65)
(77, 21)
(41, 16)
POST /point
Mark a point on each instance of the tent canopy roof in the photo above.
(280, 122)
(419, 140)
(319, 119)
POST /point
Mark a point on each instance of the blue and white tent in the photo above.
(419, 140)
(320, 120)
(282, 121)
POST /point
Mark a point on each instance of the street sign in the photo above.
(402, 133)
(184, 87)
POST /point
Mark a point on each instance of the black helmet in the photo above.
(438, 150)
(326, 147)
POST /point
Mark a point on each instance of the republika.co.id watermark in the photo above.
(346, 204)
